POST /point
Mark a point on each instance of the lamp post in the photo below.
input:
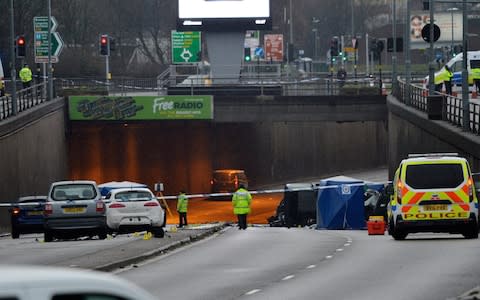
(13, 73)
(451, 10)
(315, 22)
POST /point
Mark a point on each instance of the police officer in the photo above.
(25, 76)
(476, 78)
(182, 207)
(448, 80)
(241, 201)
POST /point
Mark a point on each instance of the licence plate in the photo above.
(435, 207)
(74, 210)
(34, 213)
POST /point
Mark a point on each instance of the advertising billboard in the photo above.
(273, 45)
(450, 24)
(223, 15)
(103, 108)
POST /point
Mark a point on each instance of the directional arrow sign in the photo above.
(40, 25)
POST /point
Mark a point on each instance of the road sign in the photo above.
(259, 53)
(186, 47)
(40, 26)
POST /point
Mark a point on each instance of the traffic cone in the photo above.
(425, 93)
(474, 94)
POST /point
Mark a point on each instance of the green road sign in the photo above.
(186, 47)
(40, 26)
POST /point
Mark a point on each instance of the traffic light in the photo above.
(334, 47)
(104, 45)
(20, 46)
(247, 54)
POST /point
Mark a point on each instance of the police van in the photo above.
(456, 66)
(433, 193)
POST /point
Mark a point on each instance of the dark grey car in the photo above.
(74, 209)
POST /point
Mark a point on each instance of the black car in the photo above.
(27, 215)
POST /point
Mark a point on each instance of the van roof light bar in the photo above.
(432, 155)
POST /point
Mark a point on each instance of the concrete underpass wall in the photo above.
(33, 153)
(410, 131)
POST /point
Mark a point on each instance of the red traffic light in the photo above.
(103, 40)
(21, 41)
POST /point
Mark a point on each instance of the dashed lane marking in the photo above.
(288, 277)
(252, 292)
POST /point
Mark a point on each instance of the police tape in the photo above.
(345, 189)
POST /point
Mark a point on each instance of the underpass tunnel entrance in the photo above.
(180, 154)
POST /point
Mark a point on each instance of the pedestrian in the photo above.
(341, 76)
(476, 78)
(438, 81)
(448, 80)
(25, 76)
(241, 201)
(182, 207)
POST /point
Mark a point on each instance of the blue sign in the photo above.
(259, 52)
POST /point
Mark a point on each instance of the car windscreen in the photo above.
(474, 63)
(221, 176)
(434, 176)
(133, 196)
(73, 192)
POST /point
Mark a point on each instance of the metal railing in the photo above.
(26, 99)
(452, 106)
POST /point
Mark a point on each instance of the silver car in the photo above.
(74, 209)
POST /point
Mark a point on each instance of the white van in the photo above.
(456, 65)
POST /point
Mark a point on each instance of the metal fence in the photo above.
(452, 106)
(26, 99)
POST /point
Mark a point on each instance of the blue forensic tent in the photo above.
(340, 203)
(108, 186)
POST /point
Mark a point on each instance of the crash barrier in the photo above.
(438, 106)
(26, 99)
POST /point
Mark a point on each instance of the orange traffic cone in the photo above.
(425, 93)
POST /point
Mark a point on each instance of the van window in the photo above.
(474, 63)
(457, 66)
(434, 176)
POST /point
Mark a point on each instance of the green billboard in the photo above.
(186, 47)
(103, 108)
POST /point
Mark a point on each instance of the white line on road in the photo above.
(311, 266)
(347, 244)
(252, 292)
(339, 250)
(288, 277)
(329, 256)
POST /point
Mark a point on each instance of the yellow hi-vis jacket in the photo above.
(182, 203)
(441, 77)
(475, 73)
(241, 201)
(25, 74)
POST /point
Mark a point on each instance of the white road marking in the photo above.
(329, 256)
(311, 266)
(288, 277)
(347, 244)
(252, 292)
(339, 250)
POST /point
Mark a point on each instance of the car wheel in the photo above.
(15, 233)
(48, 236)
(158, 232)
(102, 234)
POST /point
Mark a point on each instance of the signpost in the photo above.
(186, 47)
(40, 28)
(273, 47)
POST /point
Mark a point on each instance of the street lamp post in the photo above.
(451, 10)
(13, 73)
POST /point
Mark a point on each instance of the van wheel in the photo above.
(48, 236)
(390, 226)
(399, 235)
(471, 233)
